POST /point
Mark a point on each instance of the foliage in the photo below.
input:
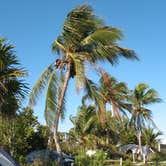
(151, 137)
(82, 159)
(97, 160)
(40, 163)
(118, 132)
(22, 134)
(141, 97)
(158, 156)
(127, 163)
(84, 123)
(85, 40)
(12, 88)
(114, 93)
(43, 163)
(88, 130)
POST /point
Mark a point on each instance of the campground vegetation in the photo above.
(111, 115)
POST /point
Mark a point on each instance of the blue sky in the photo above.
(33, 25)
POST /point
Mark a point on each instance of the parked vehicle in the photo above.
(6, 159)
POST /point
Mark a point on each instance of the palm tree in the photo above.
(151, 137)
(126, 133)
(111, 92)
(114, 93)
(85, 40)
(12, 87)
(84, 123)
(141, 97)
(88, 130)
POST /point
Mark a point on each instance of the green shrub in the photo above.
(22, 161)
(81, 159)
(127, 163)
(97, 159)
(155, 157)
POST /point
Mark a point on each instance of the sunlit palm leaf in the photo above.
(60, 86)
(80, 71)
(79, 23)
(51, 99)
(12, 73)
(41, 83)
(92, 93)
(58, 45)
(151, 96)
(104, 36)
(89, 124)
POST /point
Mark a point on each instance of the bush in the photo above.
(81, 159)
(22, 161)
(97, 159)
(127, 163)
(39, 162)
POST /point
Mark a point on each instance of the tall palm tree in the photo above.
(141, 97)
(85, 40)
(12, 87)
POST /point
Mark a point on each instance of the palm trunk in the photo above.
(103, 114)
(56, 139)
(49, 140)
(104, 121)
(139, 142)
(59, 109)
(114, 110)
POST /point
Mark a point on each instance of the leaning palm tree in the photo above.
(12, 87)
(84, 41)
(141, 97)
(111, 92)
(114, 93)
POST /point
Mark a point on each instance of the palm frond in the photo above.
(80, 22)
(2, 87)
(150, 97)
(91, 90)
(58, 45)
(40, 84)
(110, 53)
(79, 70)
(13, 90)
(87, 127)
(60, 86)
(72, 119)
(51, 99)
(12, 73)
(104, 36)
(125, 52)
(141, 88)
